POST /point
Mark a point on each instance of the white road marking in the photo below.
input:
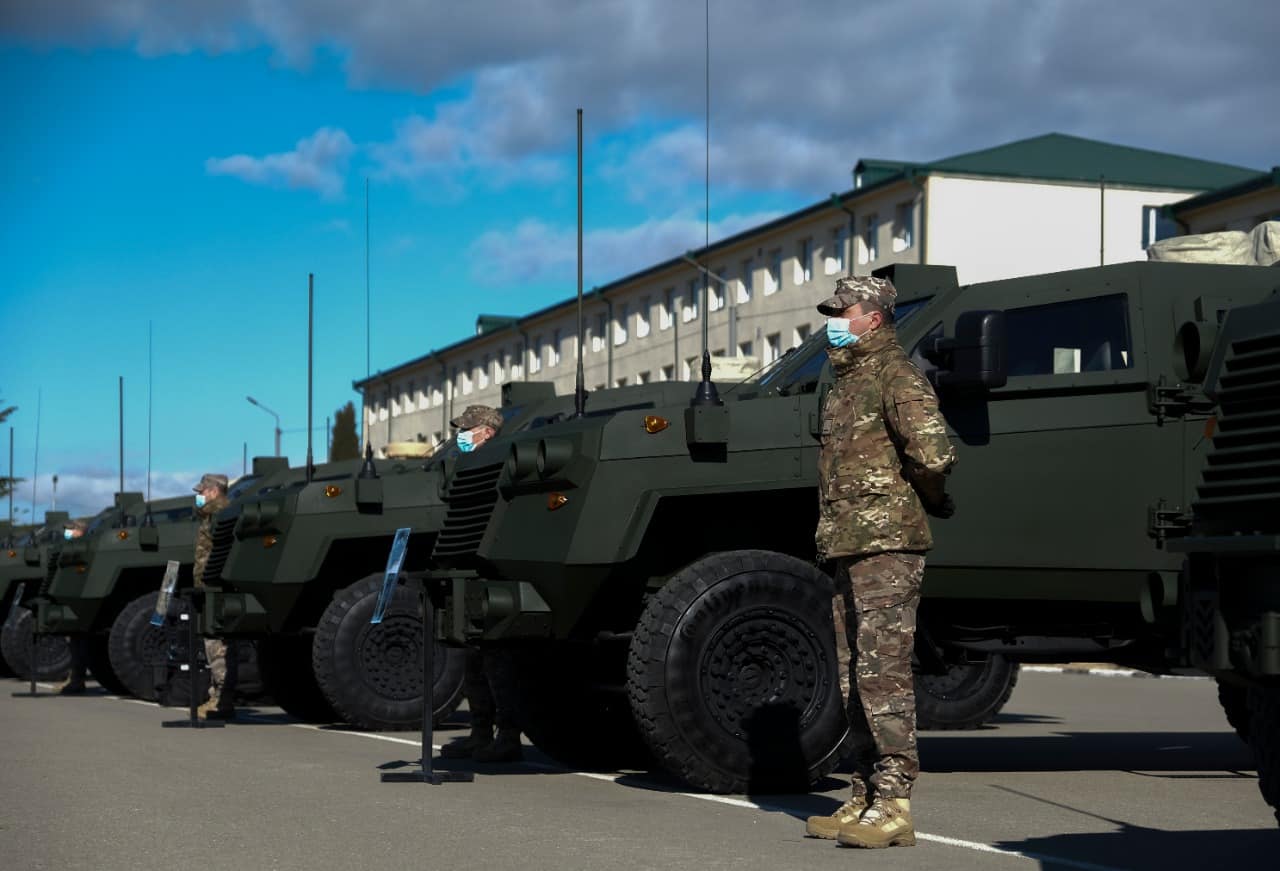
(1109, 672)
(976, 846)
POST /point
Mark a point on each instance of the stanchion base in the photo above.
(31, 695)
(433, 777)
(192, 724)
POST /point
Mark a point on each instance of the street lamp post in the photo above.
(273, 414)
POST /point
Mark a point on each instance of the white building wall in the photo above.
(991, 229)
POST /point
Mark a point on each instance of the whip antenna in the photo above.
(706, 394)
(580, 389)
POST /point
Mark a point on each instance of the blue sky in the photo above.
(186, 165)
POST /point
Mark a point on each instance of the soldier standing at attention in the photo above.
(79, 644)
(477, 425)
(211, 497)
(882, 465)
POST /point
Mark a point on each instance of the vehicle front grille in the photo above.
(223, 538)
(1240, 487)
(51, 568)
(471, 497)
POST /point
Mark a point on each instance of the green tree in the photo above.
(345, 444)
(7, 484)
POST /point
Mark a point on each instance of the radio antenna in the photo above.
(706, 394)
(35, 463)
(150, 379)
(311, 281)
(580, 389)
(121, 416)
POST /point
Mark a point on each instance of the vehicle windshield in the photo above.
(797, 370)
(97, 522)
(241, 487)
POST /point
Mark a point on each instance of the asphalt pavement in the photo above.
(1080, 771)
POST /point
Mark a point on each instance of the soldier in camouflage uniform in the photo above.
(211, 497)
(882, 465)
(78, 644)
(477, 425)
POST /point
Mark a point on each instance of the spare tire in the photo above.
(53, 653)
(372, 674)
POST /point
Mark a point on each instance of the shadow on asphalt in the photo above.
(1086, 751)
(1142, 849)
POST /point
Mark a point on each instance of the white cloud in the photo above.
(85, 491)
(534, 251)
(317, 163)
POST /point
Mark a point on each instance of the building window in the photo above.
(804, 262)
(467, 386)
(745, 284)
(715, 292)
(834, 260)
(667, 315)
(772, 347)
(904, 223)
(642, 377)
(667, 373)
(535, 356)
(517, 365)
(499, 363)
(799, 334)
(773, 274)
(409, 396)
(422, 397)
(395, 405)
(692, 369)
(620, 382)
(1066, 338)
(620, 324)
(867, 252)
(437, 395)
(482, 374)
(553, 350)
(744, 349)
(689, 310)
(1156, 225)
(371, 414)
(642, 318)
(599, 333)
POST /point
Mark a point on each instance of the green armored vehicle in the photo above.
(22, 571)
(652, 571)
(300, 566)
(1230, 592)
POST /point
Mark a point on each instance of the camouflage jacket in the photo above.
(204, 536)
(884, 450)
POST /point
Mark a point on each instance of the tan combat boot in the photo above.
(209, 710)
(886, 823)
(829, 827)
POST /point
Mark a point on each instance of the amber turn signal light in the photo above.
(269, 541)
(654, 424)
(12, 554)
(122, 535)
(556, 500)
(333, 491)
(80, 570)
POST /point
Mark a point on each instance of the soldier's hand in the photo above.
(944, 508)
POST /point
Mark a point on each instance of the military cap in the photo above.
(211, 479)
(851, 291)
(75, 524)
(478, 415)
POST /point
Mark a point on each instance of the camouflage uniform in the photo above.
(215, 649)
(884, 457)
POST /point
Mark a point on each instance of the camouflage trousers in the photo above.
(482, 682)
(215, 654)
(874, 609)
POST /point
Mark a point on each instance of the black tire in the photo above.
(99, 665)
(969, 695)
(372, 675)
(1234, 699)
(732, 674)
(135, 648)
(571, 702)
(284, 663)
(1264, 738)
(53, 653)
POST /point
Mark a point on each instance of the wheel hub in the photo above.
(762, 658)
(389, 657)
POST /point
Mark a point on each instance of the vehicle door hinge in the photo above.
(1165, 522)
(1176, 400)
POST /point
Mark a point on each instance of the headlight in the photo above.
(553, 455)
(522, 461)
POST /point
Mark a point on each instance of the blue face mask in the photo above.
(466, 441)
(838, 335)
(199, 500)
(66, 533)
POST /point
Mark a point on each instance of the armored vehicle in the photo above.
(1230, 595)
(22, 570)
(300, 566)
(653, 571)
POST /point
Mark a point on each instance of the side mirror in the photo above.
(975, 358)
(31, 556)
(148, 538)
